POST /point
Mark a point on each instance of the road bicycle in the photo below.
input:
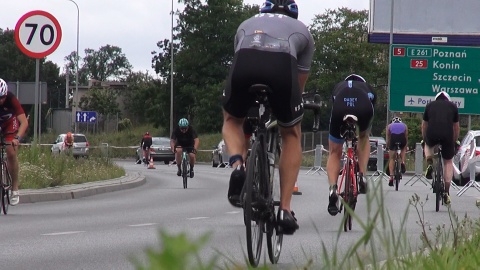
(348, 187)
(438, 184)
(260, 193)
(185, 166)
(397, 174)
(5, 177)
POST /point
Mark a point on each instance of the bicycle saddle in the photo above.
(350, 118)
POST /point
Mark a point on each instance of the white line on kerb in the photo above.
(62, 233)
(194, 218)
(142, 225)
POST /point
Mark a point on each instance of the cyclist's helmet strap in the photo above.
(287, 7)
(183, 122)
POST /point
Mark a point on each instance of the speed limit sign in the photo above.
(38, 34)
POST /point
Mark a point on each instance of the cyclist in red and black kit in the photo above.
(184, 136)
(275, 49)
(14, 124)
(351, 96)
(145, 144)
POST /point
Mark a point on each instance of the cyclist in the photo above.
(350, 96)
(14, 124)
(440, 126)
(396, 132)
(68, 143)
(275, 49)
(145, 144)
(184, 136)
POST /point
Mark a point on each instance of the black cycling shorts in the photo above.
(394, 138)
(275, 69)
(362, 108)
(443, 139)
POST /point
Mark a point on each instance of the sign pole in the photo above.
(390, 62)
(35, 119)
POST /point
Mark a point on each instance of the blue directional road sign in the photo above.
(86, 117)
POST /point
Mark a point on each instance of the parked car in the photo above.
(80, 145)
(159, 151)
(217, 155)
(469, 149)
(372, 161)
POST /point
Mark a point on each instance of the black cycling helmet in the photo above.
(355, 77)
(287, 7)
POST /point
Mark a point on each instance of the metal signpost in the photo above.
(419, 72)
(37, 34)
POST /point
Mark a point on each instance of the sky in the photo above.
(134, 26)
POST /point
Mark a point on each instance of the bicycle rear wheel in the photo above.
(347, 223)
(274, 239)
(397, 173)
(438, 184)
(185, 172)
(254, 224)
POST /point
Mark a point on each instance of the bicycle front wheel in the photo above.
(253, 222)
(5, 188)
(185, 172)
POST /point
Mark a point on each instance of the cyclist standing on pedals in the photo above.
(184, 136)
(14, 124)
(275, 49)
(440, 126)
(396, 132)
(145, 144)
(351, 96)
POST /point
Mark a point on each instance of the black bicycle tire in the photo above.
(438, 182)
(254, 161)
(274, 239)
(6, 185)
(397, 173)
(346, 194)
(184, 172)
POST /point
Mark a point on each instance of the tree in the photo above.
(342, 48)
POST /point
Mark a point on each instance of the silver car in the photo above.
(469, 150)
(159, 151)
(219, 158)
(80, 145)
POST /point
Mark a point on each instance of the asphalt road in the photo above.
(106, 231)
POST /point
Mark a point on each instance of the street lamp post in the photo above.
(75, 99)
(171, 75)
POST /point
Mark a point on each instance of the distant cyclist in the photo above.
(14, 124)
(145, 144)
(184, 136)
(396, 132)
(350, 96)
(275, 49)
(440, 126)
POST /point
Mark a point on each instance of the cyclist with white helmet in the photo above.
(275, 49)
(184, 136)
(397, 132)
(353, 96)
(14, 125)
(440, 126)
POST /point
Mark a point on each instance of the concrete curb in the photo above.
(130, 180)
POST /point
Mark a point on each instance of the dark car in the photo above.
(159, 151)
(372, 161)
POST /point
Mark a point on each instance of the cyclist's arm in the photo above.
(406, 135)
(456, 131)
(424, 128)
(387, 131)
(196, 143)
(172, 145)
(302, 80)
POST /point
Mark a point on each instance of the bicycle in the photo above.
(185, 166)
(5, 177)
(397, 174)
(260, 191)
(437, 184)
(348, 192)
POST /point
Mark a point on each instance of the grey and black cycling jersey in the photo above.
(277, 33)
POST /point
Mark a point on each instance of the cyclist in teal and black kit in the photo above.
(351, 96)
(184, 136)
(274, 49)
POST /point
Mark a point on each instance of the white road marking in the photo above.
(62, 233)
(194, 218)
(142, 225)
